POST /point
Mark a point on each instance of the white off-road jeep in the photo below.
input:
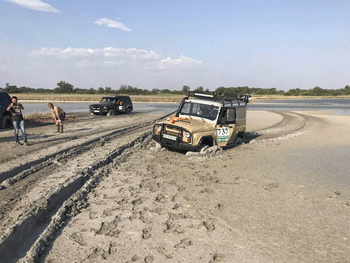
(204, 120)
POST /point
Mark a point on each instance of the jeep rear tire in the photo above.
(128, 110)
(110, 113)
(6, 122)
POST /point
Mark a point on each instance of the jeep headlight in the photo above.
(105, 108)
(186, 136)
(157, 129)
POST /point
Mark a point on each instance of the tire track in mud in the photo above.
(15, 193)
(292, 124)
(9, 177)
(71, 135)
(163, 214)
(33, 230)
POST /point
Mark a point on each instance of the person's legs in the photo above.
(61, 126)
(61, 119)
(57, 125)
(24, 134)
(15, 127)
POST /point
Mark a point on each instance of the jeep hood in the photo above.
(193, 125)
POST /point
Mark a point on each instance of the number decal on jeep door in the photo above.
(223, 134)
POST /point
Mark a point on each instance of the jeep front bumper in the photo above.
(181, 146)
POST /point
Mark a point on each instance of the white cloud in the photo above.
(112, 63)
(131, 58)
(3, 68)
(113, 66)
(131, 52)
(112, 23)
(107, 52)
(35, 5)
(182, 61)
(86, 63)
(64, 53)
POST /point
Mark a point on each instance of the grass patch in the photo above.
(39, 117)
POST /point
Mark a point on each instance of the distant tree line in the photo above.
(316, 91)
(65, 87)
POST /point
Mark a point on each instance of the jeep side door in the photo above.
(241, 113)
(225, 129)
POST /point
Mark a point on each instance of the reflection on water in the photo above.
(340, 106)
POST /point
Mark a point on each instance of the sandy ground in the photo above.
(283, 196)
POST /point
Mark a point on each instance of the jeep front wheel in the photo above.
(202, 148)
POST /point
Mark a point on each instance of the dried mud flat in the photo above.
(111, 194)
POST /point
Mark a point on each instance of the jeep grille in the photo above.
(172, 130)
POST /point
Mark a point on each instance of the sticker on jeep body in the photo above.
(223, 134)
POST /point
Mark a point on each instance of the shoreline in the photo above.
(77, 98)
(81, 101)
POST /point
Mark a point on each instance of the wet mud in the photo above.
(126, 199)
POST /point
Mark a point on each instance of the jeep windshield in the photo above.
(200, 110)
(111, 100)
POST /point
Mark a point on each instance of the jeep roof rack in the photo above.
(204, 95)
(223, 98)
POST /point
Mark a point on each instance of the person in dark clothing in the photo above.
(17, 118)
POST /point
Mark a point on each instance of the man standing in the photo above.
(59, 115)
(16, 111)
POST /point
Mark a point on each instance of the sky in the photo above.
(168, 44)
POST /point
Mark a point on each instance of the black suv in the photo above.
(5, 116)
(111, 105)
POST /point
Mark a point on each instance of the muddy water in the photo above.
(162, 108)
(339, 106)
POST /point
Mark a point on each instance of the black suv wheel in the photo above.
(6, 122)
(111, 113)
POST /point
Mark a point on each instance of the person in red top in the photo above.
(59, 115)
(17, 118)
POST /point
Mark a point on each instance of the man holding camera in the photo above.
(17, 118)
